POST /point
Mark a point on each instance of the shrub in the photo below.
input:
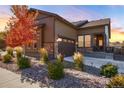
(9, 50)
(7, 58)
(55, 70)
(78, 61)
(116, 82)
(44, 55)
(19, 52)
(60, 58)
(109, 70)
(23, 62)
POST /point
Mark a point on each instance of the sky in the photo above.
(76, 13)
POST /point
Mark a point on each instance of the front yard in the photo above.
(60, 73)
(38, 74)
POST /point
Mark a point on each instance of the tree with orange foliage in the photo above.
(22, 29)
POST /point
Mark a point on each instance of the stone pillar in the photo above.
(55, 49)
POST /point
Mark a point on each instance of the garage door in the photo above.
(66, 47)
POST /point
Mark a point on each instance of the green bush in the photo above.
(109, 70)
(23, 62)
(116, 82)
(7, 58)
(55, 70)
(9, 50)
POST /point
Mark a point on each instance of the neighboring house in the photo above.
(58, 35)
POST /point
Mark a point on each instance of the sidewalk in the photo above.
(11, 80)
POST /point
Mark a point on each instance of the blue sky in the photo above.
(76, 13)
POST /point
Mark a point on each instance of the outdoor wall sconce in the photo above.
(59, 40)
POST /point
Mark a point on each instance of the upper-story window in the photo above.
(87, 41)
(80, 41)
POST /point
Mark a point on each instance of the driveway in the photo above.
(97, 62)
(11, 80)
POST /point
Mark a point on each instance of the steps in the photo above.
(109, 56)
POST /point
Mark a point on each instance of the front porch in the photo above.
(92, 42)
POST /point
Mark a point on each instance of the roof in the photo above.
(77, 24)
(80, 23)
(55, 15)
(96, 23)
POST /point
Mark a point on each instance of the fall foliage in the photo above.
(22, 29)
(2, 40)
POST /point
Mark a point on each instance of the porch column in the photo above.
(92, 40)
(104, 41)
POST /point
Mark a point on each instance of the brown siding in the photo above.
(48, 29)
(46, 36)
(91, 30)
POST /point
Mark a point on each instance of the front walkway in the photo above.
(97, 62)
(11, 80)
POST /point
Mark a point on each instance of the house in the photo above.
(58, 35)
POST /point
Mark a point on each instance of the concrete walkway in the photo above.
(11, 80)
(97, 62)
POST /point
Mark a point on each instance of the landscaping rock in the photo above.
(72, 79)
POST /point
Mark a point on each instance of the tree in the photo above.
(21, 27)
(2, 40)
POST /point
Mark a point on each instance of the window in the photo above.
(100, 42)
(87, 41)
(80, 41)
(35, 45)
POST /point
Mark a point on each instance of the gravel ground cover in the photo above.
(72, 79)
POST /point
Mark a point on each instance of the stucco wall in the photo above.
(64, 30)
(91, 30)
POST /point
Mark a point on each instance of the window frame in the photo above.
(85, 39)
(84, 44)
(78, 42)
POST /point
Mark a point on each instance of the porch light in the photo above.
(59, 40)
(76, 43)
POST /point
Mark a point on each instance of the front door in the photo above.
(98, 42)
